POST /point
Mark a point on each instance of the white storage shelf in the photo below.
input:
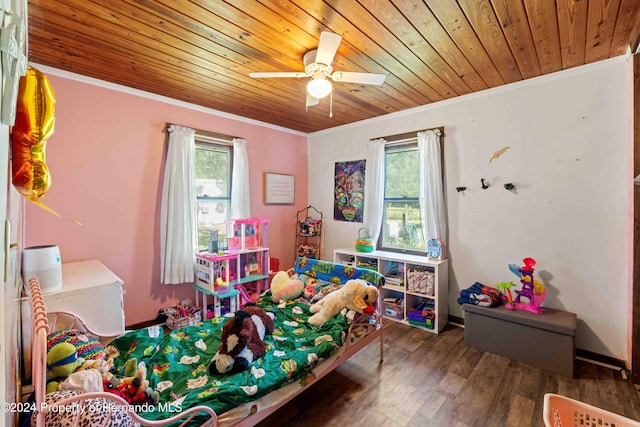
(396, 268)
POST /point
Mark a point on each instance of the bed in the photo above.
(298, 354)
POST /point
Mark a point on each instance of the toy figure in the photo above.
(532, 289)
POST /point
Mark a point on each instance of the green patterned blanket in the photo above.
(177, 362)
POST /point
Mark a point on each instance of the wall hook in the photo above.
(484, 183)
(460, 189)
(509, 186)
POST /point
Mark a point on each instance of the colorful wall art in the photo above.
(348, 203)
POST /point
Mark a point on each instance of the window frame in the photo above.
(203, 142)
(392, 146)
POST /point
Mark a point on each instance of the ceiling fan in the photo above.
(317, 65)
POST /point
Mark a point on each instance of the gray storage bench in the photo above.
(546, 340)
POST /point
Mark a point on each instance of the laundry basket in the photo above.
(560, 411)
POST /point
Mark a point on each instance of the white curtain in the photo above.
(240, 200)
(178, 240)
(432, 209)
(374, 188)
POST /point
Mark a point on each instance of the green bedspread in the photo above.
(177, 362)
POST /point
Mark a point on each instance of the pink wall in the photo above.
(106, 159)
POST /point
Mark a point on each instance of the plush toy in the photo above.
(86, 381)
(62, 360)
(135, 390)
(110, 387)
(354, 295)
(326, 290)
(87, 344)
(285, 288)
(102, 366)
(128, 370)
(310, 291)
(242, 340)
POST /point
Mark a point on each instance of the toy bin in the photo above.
(423, 315)
(561, 411)
(174, 323)
(421, 281)
(394, 309)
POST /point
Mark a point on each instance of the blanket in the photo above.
(177, 361)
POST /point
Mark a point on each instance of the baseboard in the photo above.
(148, 323)
(600, 359)
(457, 321)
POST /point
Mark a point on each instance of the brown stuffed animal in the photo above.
(242, 340)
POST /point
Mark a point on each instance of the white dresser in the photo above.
(93, 292)
(89, 290)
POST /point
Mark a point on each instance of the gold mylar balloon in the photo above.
(35, 117)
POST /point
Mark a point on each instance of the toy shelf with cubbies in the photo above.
(416, 287)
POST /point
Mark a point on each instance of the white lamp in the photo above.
(319, 87)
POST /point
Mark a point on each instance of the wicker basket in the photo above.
(560, 411)
(174, 323)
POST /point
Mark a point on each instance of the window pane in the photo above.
(213, 190)
(402, 228)
(401, 173)
(213, 168)
(211, 216)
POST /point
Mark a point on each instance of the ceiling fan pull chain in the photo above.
(331, 104)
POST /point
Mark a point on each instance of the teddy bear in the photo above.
(285, 288)
(242, 340)
(357, 295)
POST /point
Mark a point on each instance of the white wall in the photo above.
(569, 150)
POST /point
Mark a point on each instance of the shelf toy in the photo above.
(532, 289)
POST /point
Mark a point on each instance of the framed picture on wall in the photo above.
(279, 189)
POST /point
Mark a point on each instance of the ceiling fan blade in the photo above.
(269, 75)
(312, 100)
(364, 78)
(327, 47)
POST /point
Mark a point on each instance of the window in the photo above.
(213, 188)
(401, 225)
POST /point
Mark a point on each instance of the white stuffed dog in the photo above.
(355, 295)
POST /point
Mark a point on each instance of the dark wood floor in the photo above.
(429, 380)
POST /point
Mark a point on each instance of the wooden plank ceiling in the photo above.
(202, 51)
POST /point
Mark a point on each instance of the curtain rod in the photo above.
(207, 134)
(407, 135)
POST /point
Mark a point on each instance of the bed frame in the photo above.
(362, 332)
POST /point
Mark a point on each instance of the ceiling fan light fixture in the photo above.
(319, 87)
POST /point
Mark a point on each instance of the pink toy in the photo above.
(309, 292)
(245, 297)
(532, 289)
